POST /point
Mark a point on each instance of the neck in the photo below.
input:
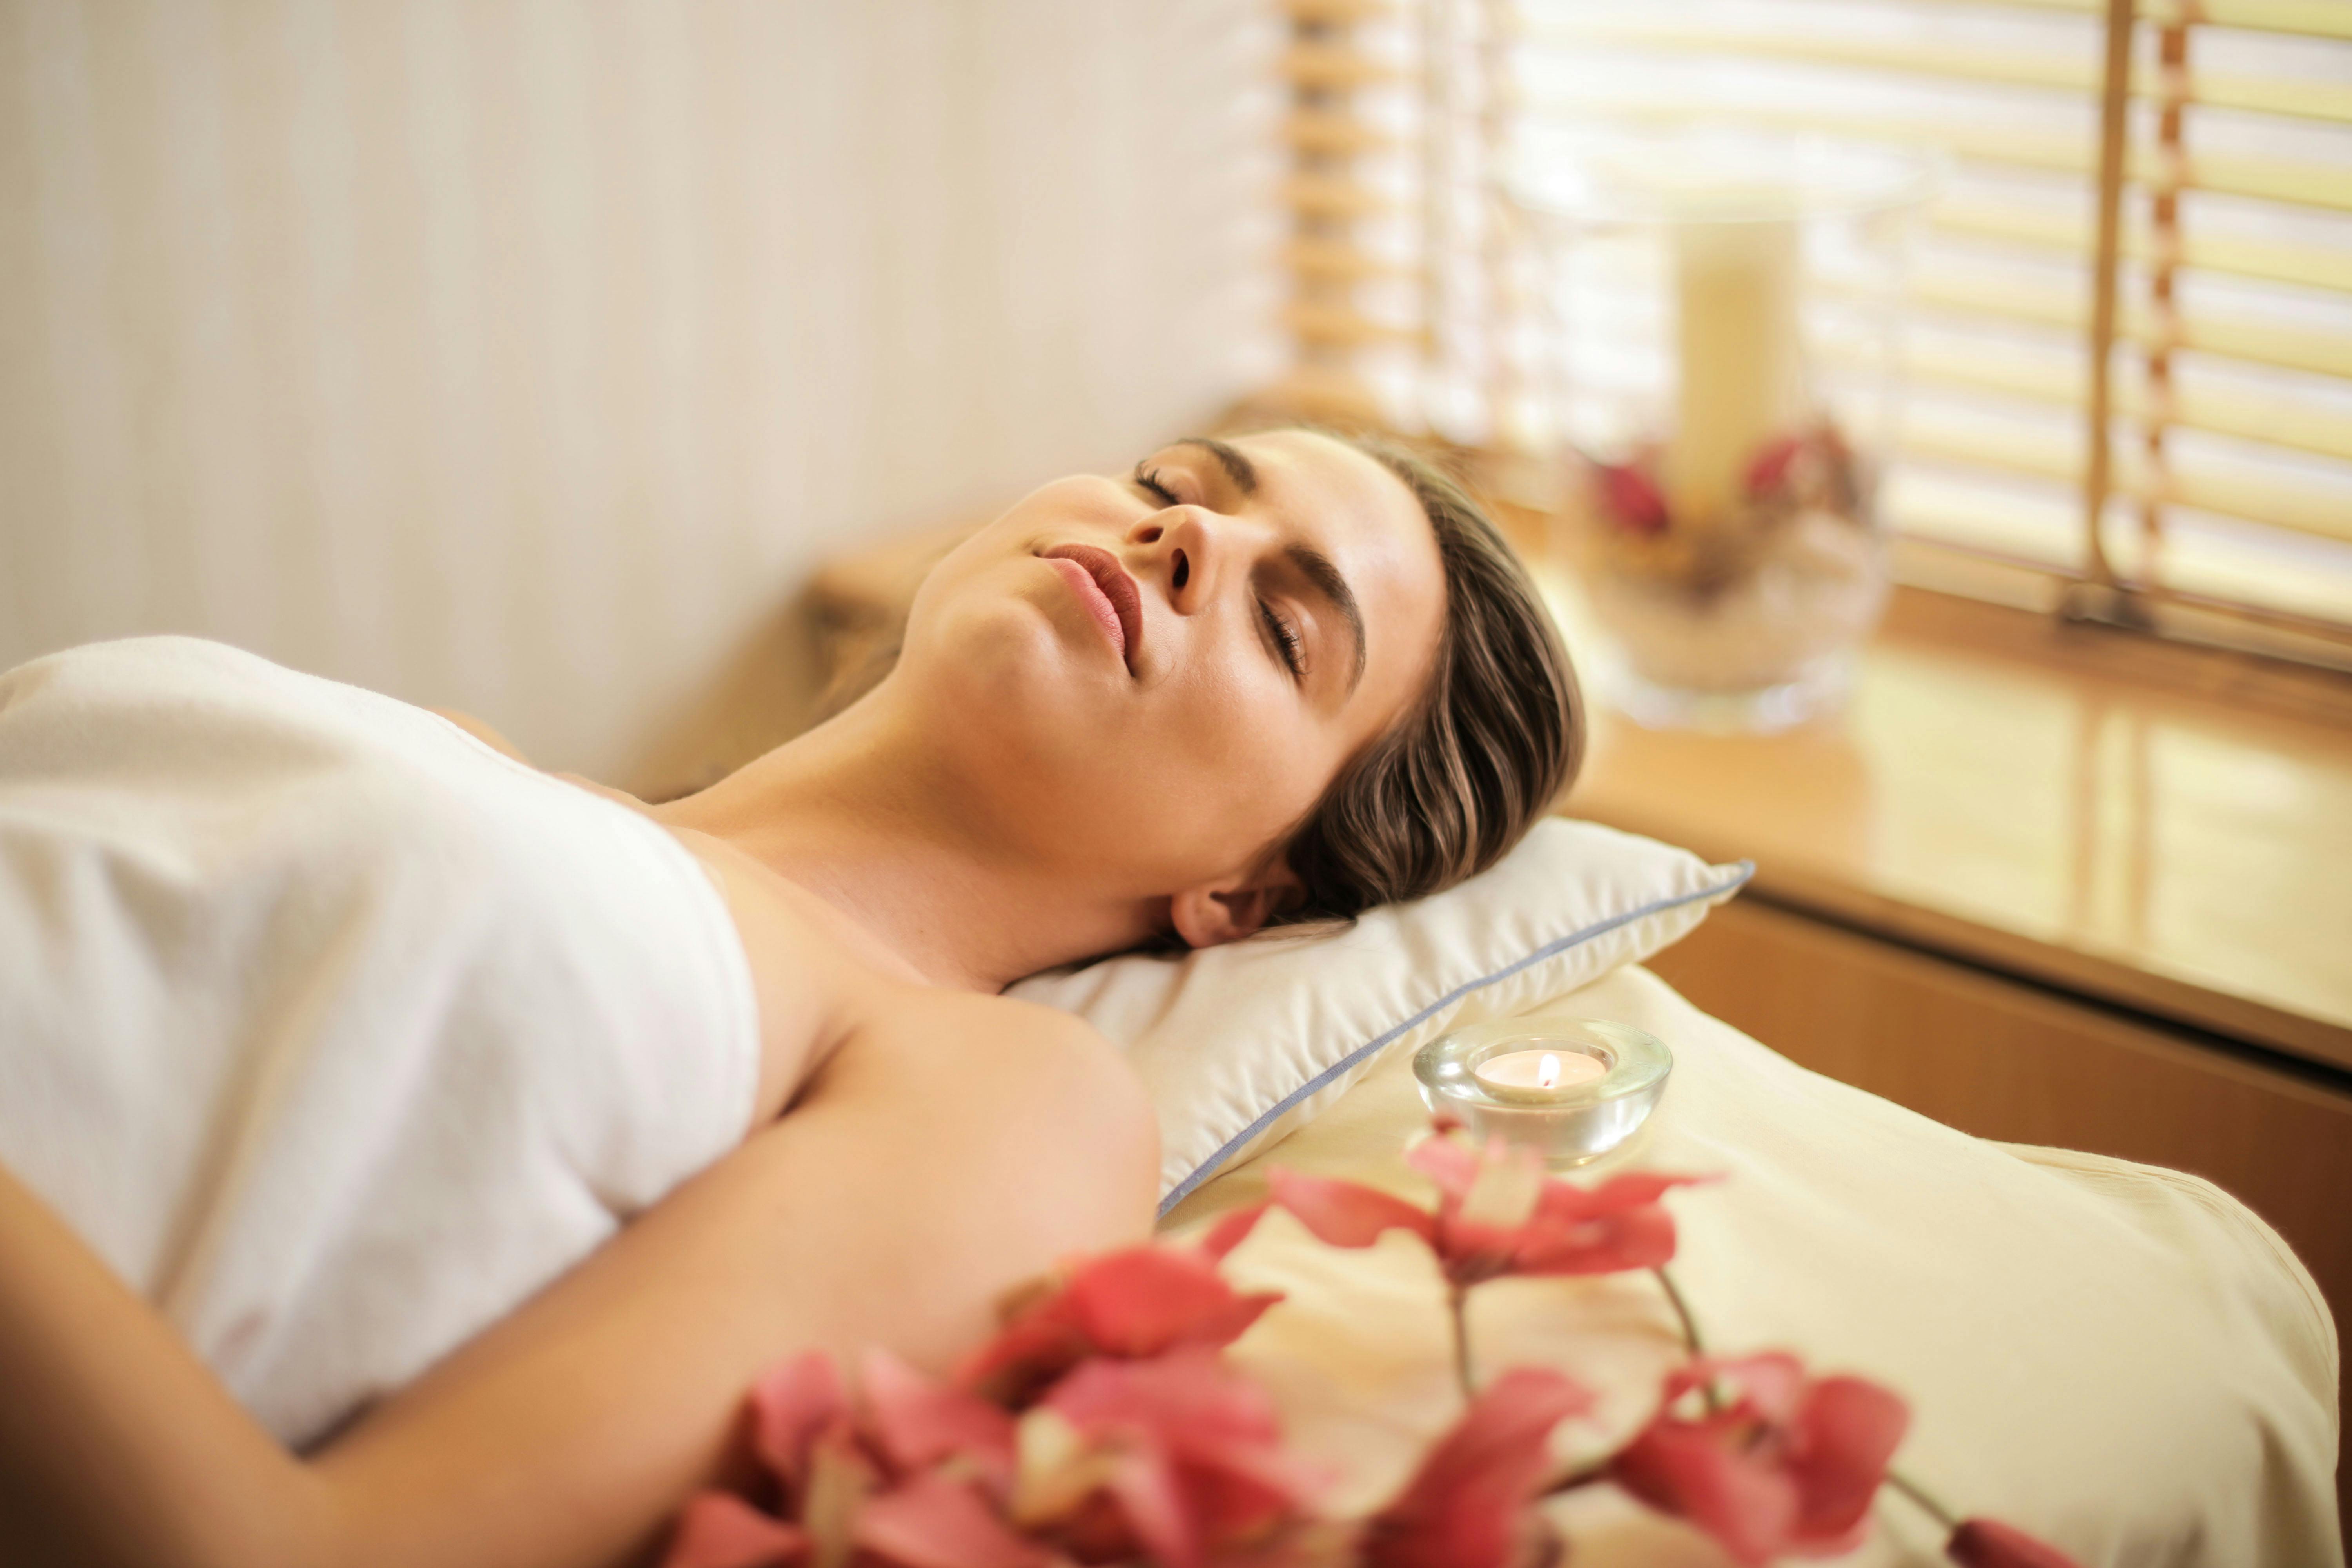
(863, 815)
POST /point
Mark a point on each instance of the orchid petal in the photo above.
(1190, 1398)
(1642, 1238)
(1789, 1468)
(1145, 1299)
(1144, 1483)
(1191, 1434)
(1480, 1232)
(1232, 1230)
(719, 1530)
(929, 1522)
(1448, 1162)
(1463, 1507)
(1243, 1493)
(1139, 1301)
(1770, 1383)
(791, 1403)
(1034, 1347)
(1846, 1432)
(1608, 1229)
(1700, 1471)
(1563, 1202)
(1347, 1214)
(1503, 1196)
(918, 1423)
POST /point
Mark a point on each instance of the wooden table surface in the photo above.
(2167, 829)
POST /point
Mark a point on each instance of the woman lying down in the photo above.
(406, 1157)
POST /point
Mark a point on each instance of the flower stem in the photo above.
(1682, 1311)
(1923, 1498)
(1698, 1346)
(1458, 1299)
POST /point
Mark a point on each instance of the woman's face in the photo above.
(1151, 678)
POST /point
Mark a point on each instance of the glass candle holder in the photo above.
(1724, 313)
(1570, 1114)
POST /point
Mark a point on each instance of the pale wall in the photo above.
(522, 358)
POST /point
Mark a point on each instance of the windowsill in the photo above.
(2157, 826)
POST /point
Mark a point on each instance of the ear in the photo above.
(1211, 917)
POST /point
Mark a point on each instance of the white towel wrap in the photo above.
(334, 1032)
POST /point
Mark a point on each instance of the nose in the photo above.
(1187, 550)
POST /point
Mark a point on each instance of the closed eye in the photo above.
(1288, 646)
(1287, 640)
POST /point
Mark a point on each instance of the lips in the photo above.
(1109, 594)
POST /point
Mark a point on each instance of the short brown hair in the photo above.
(1486, 750)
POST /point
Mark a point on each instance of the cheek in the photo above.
(1245, 754)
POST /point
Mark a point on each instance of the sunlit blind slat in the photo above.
(2309, 265)
(2304, 18)
(1966, 364)
(2319, 99)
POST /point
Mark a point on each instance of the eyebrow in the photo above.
(1324, 578)
(1239, 469)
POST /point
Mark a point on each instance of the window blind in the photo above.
(2164, 193)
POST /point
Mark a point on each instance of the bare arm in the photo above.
(915, 1184)
(116, 1445)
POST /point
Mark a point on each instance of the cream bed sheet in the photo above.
(2122, 1359)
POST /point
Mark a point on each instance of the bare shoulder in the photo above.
(1012, 1046)
(996, 1071)
(1015, 1022)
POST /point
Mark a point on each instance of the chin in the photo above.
(1018, 688)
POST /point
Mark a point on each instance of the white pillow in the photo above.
(1239, 1045)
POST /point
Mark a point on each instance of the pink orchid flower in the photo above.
(719, 1530)
(1130, 1304)
(915, 1480)
(1787, 1467)
(1467, 1505)
(929, 1522)
(1988, 1543)
(1177, 1460)
(1498, 1214)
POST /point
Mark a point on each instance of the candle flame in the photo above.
(1547, 1071)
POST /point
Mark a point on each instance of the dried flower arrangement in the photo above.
(1743, 596)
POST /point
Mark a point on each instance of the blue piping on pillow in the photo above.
(1323, 1079)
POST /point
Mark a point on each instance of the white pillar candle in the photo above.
(1739, 355)
(1538, 1078)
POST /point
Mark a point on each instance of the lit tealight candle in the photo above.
(1538, 1078)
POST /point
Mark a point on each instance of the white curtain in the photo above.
(524, 357)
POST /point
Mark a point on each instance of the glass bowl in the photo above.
(1580, 1126)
